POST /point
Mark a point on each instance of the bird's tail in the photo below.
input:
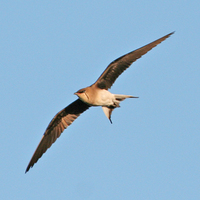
(118, 99)
(121, 97)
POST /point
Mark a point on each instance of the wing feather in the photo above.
(118, 66)
(57, 125)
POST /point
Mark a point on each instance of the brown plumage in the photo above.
(94, 95)
(115, 68)
(57, 125)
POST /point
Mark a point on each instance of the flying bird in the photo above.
(95, 95)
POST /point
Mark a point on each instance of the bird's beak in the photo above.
(75, 93)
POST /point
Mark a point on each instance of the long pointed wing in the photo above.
(57, 125)
(114, 69)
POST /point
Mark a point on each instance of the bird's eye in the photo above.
(81, 91)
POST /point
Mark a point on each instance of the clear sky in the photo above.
(50, 49)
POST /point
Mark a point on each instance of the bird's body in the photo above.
(105, 98)
(95, 95)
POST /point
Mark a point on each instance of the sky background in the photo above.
(50, 49)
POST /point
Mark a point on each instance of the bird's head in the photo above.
(82, 94)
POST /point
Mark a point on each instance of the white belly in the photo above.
(104, 98)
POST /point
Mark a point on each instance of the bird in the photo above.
(95, 95)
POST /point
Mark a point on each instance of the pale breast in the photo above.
(104, 98)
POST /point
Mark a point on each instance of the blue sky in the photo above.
(50, 49)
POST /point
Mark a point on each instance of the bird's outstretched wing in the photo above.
(114, 69)
(57, 125)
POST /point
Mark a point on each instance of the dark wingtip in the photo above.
(27, 169)
(110, 120)
(170, 34)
